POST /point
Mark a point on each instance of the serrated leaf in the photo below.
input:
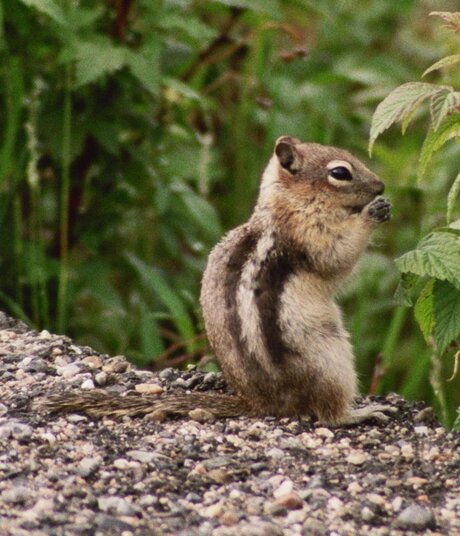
(452, 197)
(443, 103)
(446, 314)
(435, 139)
(399, 105)
(145, 65)
(48, 7)
(452, 19)
(155, 281)
(408, 118)
(402, 295)
(424, 310)
(97, 59)
(444, 62)
(437, 255)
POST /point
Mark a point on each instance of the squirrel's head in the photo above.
(309, 169)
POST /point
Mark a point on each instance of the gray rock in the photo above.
(313, 527)
(218, 461)
(112, 525)
(68, 371)
(17, 495)
(88, 466)
(416, 517)
(167, 373)
(116, 506)
(142, 456)
(263, 528)
(16, 430)
(291, 443)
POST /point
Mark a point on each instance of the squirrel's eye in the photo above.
(340, 173)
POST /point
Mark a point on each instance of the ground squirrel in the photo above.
(268, 295)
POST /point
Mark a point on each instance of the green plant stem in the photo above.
(438, 385)
(390, 345)
(64, 206)
(18, 248)
(391, 341)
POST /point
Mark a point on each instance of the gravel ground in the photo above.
(71, 475)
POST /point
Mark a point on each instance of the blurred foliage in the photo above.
(134, 133)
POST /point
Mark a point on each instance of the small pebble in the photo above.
(324, 432)
(291, 501)
(68, 371)
(17, 495)
(201, 415)
(92, 361)
(149, 388)
(115, 365)
(416, 517)
(284, 489)
(367, 514)
(87, 385)
(88, 466)
(142, 456)
(116, 505)
(101, 378)
(357, 457)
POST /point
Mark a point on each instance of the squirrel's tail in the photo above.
(102, 403)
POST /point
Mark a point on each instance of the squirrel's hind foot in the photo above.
(375, 412)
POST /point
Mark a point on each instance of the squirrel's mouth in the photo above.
(356, 209)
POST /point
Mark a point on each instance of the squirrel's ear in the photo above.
(286, 152)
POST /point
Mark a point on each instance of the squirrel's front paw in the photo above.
(378, 210)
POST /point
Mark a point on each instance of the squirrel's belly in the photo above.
(277, 335)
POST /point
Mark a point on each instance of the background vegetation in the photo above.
(133, 133)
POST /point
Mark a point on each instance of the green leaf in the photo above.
(201, 211)
(151, 342)
(452, 197)
(456, 426)
(189, 26)
(145, 65)
(443, 103)
(182, 88)
(424, 310)
(446, 309)
(96, 59)
(437, 312)
(154, 280)
(435, 139)
(48, 7)
(402, 295)
(398, 106)
(437, 255)
(452, 19)
(444, 62)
